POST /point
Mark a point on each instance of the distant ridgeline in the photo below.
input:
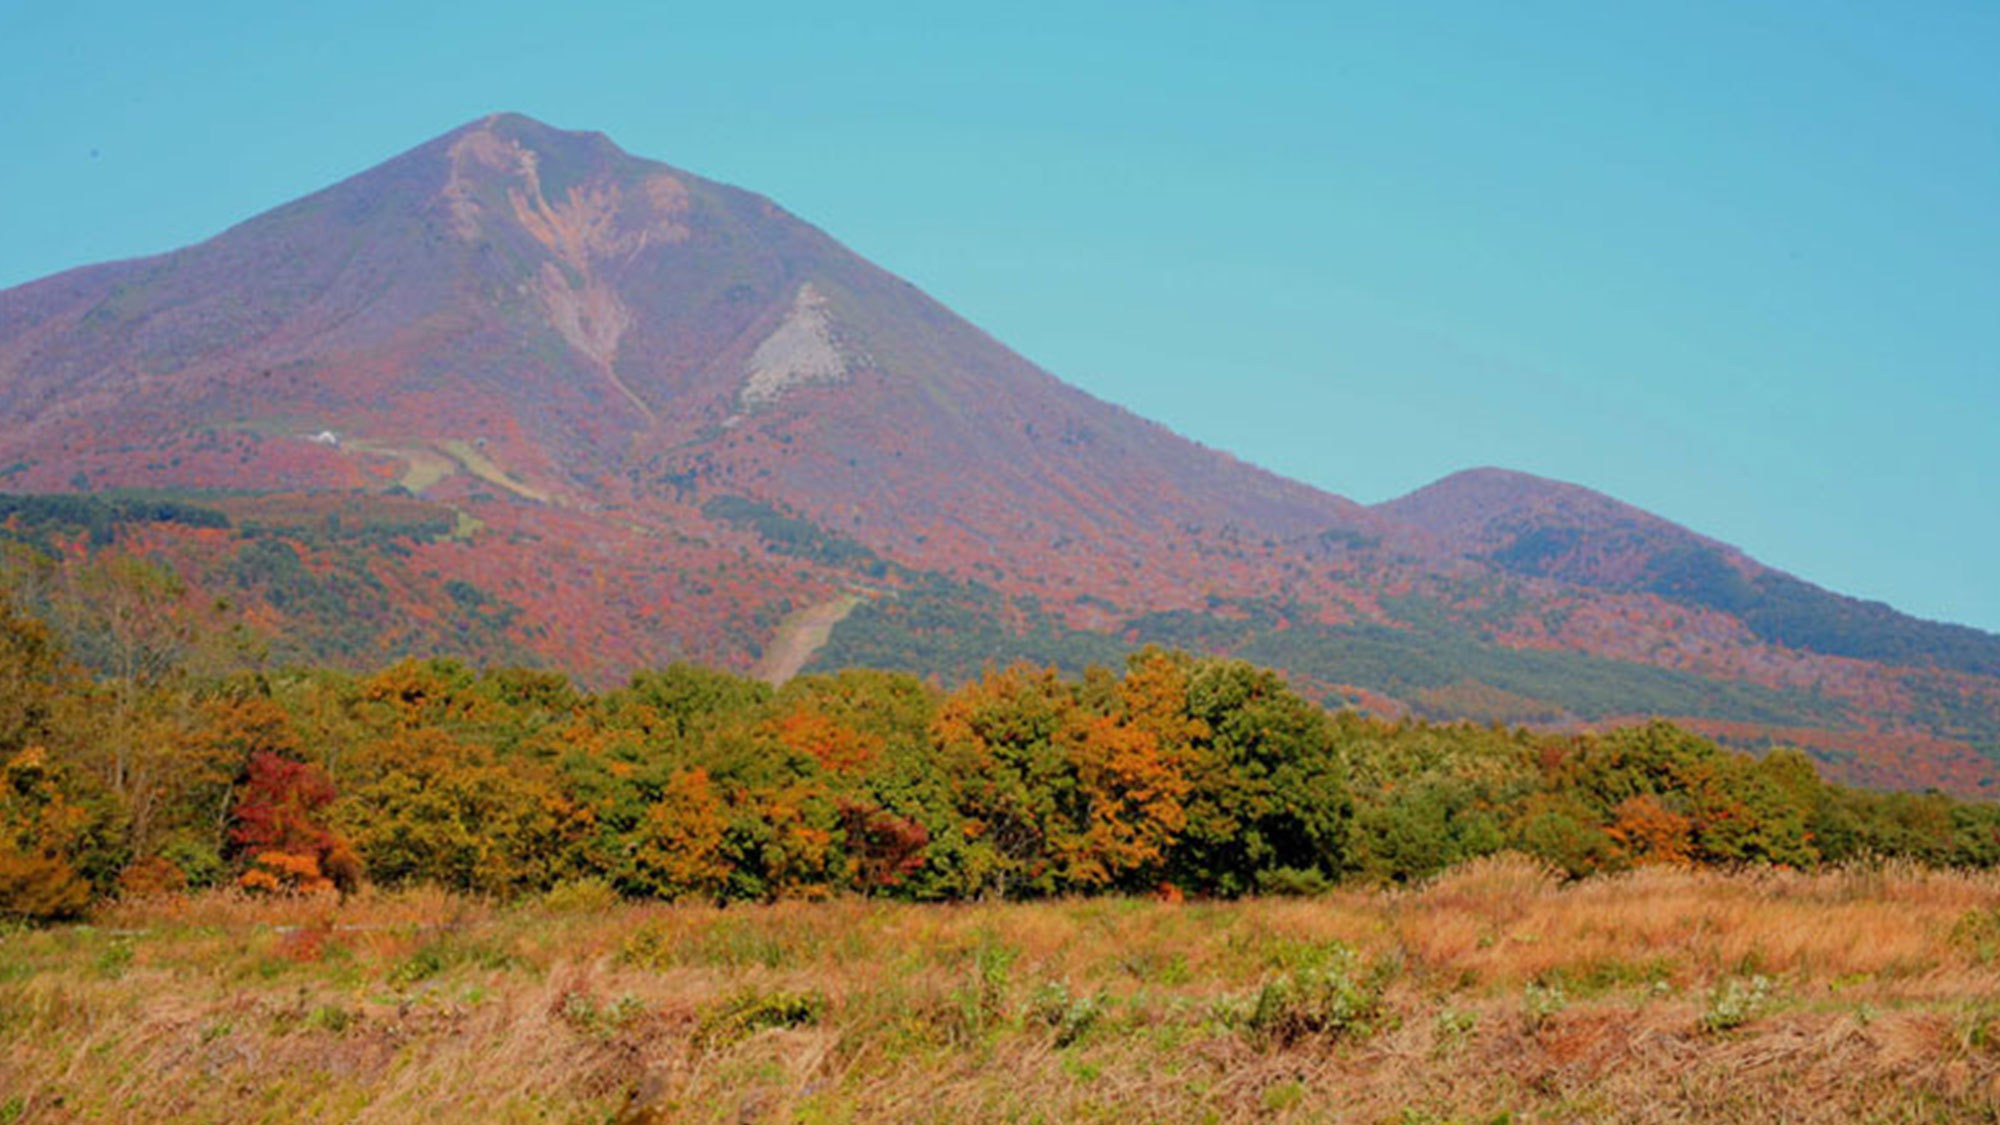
(1776, 606)
(1206, 776)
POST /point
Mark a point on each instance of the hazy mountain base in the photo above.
(1492, 994)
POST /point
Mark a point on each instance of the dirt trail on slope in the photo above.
(800, 635)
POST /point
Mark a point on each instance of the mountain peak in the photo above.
(1535, 526)
(513, 122)
(578, 194)
(1461, 506)
(547, 141)
(604, 329)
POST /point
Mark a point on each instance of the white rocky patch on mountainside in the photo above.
(801, 351)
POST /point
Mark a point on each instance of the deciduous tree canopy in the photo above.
(1205, 775)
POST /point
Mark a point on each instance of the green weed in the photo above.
(1325, 993)
(754, 1010)
(1070, 1017)
(1735, 1003)
(1541, 1001)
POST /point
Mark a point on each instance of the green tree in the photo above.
(998, 740)
(35, 677)
(1268, 783)
(453, 816)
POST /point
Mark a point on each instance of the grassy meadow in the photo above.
(1496, 992)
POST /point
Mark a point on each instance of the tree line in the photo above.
(1176, 774)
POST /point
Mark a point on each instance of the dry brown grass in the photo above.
(1495, 990)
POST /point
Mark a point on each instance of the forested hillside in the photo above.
(1176, 774)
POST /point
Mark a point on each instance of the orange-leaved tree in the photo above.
(1132, 769)
(678, 852)
(40, 830)
(1652, 834)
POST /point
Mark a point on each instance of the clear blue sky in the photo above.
(1737, 263)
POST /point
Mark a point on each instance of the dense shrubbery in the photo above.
(1205, 775)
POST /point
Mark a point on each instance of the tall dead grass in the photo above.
(1496, 988)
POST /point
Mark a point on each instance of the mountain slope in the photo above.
(1529, 526)
(587, 317)
(644, 416)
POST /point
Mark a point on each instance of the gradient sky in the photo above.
(1737, 263)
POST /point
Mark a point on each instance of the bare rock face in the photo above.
(802, 351)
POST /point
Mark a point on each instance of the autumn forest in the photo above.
(133, 766)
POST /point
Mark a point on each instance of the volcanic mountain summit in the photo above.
(601, 326)
(516, 394)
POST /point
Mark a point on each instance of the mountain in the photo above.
(518, 395)
(1539, 528)
(599, 326)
